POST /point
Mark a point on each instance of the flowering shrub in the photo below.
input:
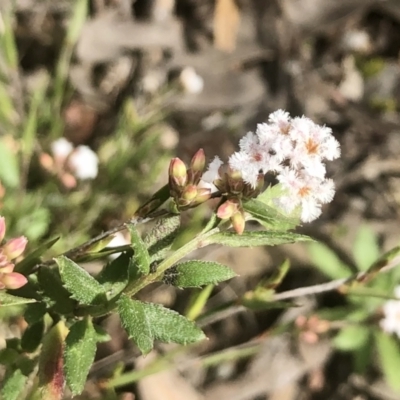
(72, 302)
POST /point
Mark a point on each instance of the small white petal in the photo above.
(84, 163)
(61, 148)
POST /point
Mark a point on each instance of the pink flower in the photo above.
(14, 247)
(12, 280)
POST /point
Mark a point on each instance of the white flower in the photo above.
(191, 81)
(211, 175)
(118, 240)
(61, 149)
(84, 163)
(307, 191)
(391, 310)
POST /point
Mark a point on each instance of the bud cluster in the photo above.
(184, 183)
(9, 251)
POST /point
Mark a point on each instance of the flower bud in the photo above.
(13, 280)
(177, 172)
(2, 228)
(189, 193)
(198, 161)
(7, 268)
(15, 247)
(227, 209)
(202, 196)
(238, 222)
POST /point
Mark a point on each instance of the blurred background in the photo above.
(141, 81)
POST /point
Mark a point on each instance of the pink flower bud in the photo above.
(15, 247)
(227, 209)
(198, 161)
(189, 193)
(7, 268)
(203, 195)
(2, 228)
(177, 172)
(238, 222)
(13, 280)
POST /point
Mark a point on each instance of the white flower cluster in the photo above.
(391, 310)
(82, 160)
(295, 150)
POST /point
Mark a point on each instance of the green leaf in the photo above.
(115, 275)
(12, 385)
(365, 248)
(34, 312)
(256, 238)
(145, 322)
(8, 300)
(161, 237)
(79, 353)
(268, 216)
(82, 286)
(54, 293)
(141, 255)
(197, 273)
(32, 336)
(101, 335)
(9, 169)
(262, 299)
(32, 259)
(136, 323)
(327, 261)
(389, 356)
(351, 338)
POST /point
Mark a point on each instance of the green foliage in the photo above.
(197, 273)
(141, 254)
(13, 385)
(79, 353)
(83, 287)
(351, 338)
(365, 248)
(8, 300)
(327, 261)
(257, 238)
(145, 322)
(389, 358)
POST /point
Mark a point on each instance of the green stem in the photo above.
(197, 243)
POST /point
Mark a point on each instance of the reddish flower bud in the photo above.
(202, 196)
(2, 228)
(15, 247)
(189, 193)
(198, 161)
(13, 280)
(7, 268)
(177, 172)
(227, 209)
(238, 222)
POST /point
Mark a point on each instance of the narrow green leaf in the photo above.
(54, 293)
(365, 248)
(269, 217)
(7, 300)
(389, 356)
(256, 238)
(277, 277)
(262, 299)
(12, 385)
(82, 286)
(136, 323)
(79, 353)
(161, 237)
(141, 255)
(197, 273)
(197, 302)
(9, 169)
(145, 322)
(115, 275)
(34, 312)
(32, 259)
(327, 261)
(351, 338)
(32, 337)
(101, 335)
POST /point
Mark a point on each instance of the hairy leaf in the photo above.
(141, 255)
(79, 353)
(7, 300)
(83, 287)
(145, 322)
(197, 273)
(256, 238)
